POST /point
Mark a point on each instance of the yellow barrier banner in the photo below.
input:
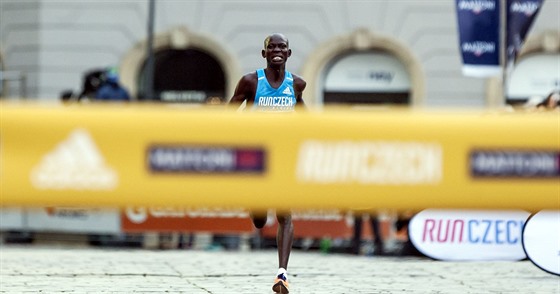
(170, 155)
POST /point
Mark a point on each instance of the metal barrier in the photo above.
(11, 76)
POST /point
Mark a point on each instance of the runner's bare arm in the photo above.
(299, 86)
(245, 90)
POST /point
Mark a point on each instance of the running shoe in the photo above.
(281, 285)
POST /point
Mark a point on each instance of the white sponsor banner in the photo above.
(541, 240)
(74, 219)
(11, 218)
(469, 234)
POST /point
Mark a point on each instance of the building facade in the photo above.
(349, 52)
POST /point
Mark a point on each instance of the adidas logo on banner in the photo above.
(75, 164)
(287, 91)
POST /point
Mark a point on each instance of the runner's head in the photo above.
(276, 50)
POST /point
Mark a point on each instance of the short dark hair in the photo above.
(267, 39)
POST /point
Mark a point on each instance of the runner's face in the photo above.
(276, 51)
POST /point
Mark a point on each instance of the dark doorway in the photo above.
(185, 76)
(366, 98)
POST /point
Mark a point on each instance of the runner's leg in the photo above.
(284, 238)
(259, 219)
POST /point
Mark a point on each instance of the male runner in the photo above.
(273, 89)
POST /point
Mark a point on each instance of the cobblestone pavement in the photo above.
(55, 269)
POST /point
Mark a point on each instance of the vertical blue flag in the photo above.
(479, 37)
(520, 17)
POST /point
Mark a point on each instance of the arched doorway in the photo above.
(366, 77)
(535, 75)
(185, 75)
(189, 67)
(363, 68)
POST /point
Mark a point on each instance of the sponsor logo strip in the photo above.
(514, 164)
(191, 159)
